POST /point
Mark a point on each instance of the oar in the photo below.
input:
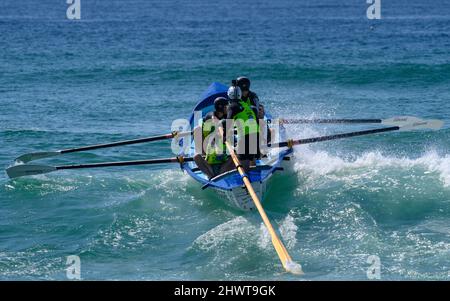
(394, 121)
(36, 169)
(286, 260)
(419, 124)
(40, 155)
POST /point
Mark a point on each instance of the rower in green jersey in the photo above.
(244, 114)
(249, 96)
(212, 159)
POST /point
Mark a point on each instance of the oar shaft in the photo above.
(119, 143)
(126, 163)
(283, 255)
(320, 120)
(42, 155)
(251, 191)
(125, 142)
(333, 137)
(36, 169)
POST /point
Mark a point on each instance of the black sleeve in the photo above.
(255, 110)
(233, 109)
(254, 99)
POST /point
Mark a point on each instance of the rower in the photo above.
(216, 160)
(249, 96)
(245, 118)
(252, 99)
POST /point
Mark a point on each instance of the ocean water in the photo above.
(128, 68)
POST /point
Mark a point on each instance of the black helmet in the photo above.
(243, 83)
(220, 103)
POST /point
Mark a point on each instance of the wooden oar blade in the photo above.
(293, 267)
(423, 124)
(435, 124)
(288, 264)
(400, 120)
(28, 170)
(36, 156)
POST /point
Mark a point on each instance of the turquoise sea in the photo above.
(128, 68)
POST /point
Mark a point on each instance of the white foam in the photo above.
(223, 234)
(294, 268)
(288, 230)
(321, 163)
(264, 240)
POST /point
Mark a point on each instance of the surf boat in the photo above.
(230, 184)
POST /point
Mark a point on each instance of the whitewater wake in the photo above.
(321, 163)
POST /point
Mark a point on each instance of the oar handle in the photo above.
(320, 120)
(126, 142)
(127, 163)
(291, 143)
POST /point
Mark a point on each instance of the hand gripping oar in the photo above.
(286, 260)
(40, 155)
(394, 121)
(418, 124)
(36, 169)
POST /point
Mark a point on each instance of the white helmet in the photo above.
(234, 93)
